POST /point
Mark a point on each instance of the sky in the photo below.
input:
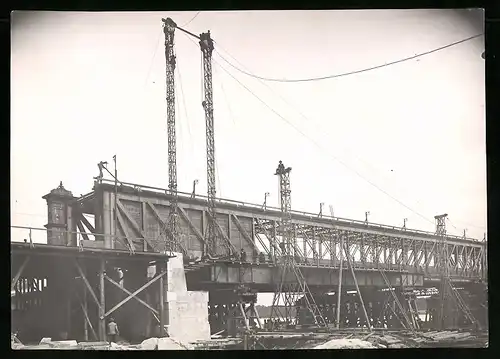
(87, 86)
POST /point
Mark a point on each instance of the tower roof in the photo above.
(59, 191)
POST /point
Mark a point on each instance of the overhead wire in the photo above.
(328, 77)
(372, 68)
(177, 110)
(217, 174)
(262, 81)
(470, 224)
(225, 98)
(217, 167)
(192, 19)
(450, 222)
(201, 73)
(321, 148)
(185, 106)
(153, 58)
(332, 76)
(203, 99)
(302, 114)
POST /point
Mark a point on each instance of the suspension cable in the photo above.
(328, 77)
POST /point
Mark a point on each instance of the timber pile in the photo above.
(217, 344)
(450, 339)
(148, 344)
(345, 344)
(430, 339)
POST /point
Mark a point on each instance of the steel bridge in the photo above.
(129, 222)
(409, 257)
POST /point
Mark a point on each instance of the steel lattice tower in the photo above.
(443, 267)
(172, 236)
(207, 47)
(291, 285)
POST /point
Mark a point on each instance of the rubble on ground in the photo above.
(148, 344)
(375, 339)
(345, 344)
(166, 343)
(429, 339)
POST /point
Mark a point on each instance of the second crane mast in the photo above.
(207, 47)
(168, 30)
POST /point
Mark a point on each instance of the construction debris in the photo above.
(429, 339)
(163, 344)
(148, 344)
(345, 344)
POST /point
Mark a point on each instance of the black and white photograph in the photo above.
(248, 180)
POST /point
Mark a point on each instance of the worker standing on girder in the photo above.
(101, 165)
(280, 169)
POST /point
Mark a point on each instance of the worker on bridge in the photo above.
(255, 257)
(113, 331)
(280, 169)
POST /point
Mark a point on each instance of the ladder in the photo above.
(396, 300)
(310, 302)
(463, 306)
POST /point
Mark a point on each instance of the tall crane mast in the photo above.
(207, 46)
(448, 293)
(172, 243)
(168, 30)
(292, 284)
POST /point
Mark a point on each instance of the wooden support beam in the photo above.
(89, 287)
(245, 319)
(134, 294)
(339, 289)
(130, 293)
(243, 231)
(162, 304)
(85, 308)
(135, 226)
(87, 322)
(143, 226)
(19, 273)
(359, 292)
(102, 320)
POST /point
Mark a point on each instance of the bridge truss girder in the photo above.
(316, 241)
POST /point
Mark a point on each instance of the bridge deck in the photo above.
(143, 211)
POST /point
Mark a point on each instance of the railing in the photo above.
(186, 195)
(39, 235)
